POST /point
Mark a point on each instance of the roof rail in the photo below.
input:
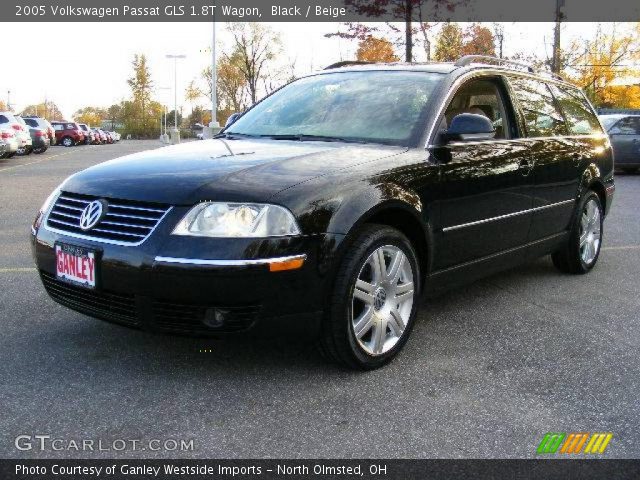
(469, 59)
(347, 63)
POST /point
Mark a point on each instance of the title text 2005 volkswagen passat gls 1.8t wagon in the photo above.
(329, 206)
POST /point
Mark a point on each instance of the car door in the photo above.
(485, 196)
(625, 138)
(555, 155)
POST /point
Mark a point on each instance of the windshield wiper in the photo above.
(301, 137)
(233, 135)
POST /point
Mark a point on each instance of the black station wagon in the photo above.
(329, 206)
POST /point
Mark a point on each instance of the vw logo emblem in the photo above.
(91, 215)
(379, 298)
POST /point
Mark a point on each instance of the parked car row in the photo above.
(32, 134)
(70, 134)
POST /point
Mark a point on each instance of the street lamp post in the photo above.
(175, 94)
(214, 126)
(214, 99)
(163, 136)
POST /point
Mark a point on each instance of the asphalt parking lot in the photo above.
(489, 368)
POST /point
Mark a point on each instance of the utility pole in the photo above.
(9, 100)
(555, 61)
(176, 129)
(408, 34)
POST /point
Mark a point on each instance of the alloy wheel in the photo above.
(382, 300)
(590, 232)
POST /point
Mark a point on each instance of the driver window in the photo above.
(481, 97)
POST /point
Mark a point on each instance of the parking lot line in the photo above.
(33, 163)
(623, 247)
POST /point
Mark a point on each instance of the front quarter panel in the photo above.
(337, 202)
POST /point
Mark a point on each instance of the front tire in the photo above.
(581, 252)
(374, 301)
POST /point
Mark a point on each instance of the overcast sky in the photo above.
(73, 79)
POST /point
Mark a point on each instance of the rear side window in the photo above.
(541, 114)
(580, 118)
(70, 126)
(626, 126)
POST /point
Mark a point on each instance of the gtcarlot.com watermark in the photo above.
(50, 443)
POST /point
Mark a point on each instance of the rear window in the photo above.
(31, 122)
(3, 119)
(580, 117)
(541, 114)
(58, 126)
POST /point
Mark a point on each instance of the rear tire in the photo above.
(67, 142)
(581, 252)
(374, 301)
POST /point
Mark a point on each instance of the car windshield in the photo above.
(373, 106)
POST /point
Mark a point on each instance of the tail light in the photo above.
(6, 135)
(40, 133)
(17, 127)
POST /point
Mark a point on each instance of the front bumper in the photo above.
(198, 286)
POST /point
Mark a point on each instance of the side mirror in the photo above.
(469, 126)
(232, 118)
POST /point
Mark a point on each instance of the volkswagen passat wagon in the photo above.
(331, 205)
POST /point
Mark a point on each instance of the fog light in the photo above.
(214, 317)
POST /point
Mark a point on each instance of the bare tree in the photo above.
(256, 46)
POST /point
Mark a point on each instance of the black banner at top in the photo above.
(319, 10)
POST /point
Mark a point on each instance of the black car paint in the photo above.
(332, 188)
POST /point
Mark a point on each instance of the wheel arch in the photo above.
(592, 180)
(404, 217)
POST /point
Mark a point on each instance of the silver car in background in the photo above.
(624, 133)
(26, 143)
(9, 140)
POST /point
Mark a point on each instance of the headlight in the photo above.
(211, 219)
(45, 208)
(50, 199)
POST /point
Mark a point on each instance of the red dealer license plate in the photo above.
(76, 265)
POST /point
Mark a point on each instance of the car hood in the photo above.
(219, 169)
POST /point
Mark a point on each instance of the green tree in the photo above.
(141, 86)
(48, 110)
(449, 43)
(92, 116)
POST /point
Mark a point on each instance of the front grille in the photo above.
(125, 222)
(116, 307)
(184, 318)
